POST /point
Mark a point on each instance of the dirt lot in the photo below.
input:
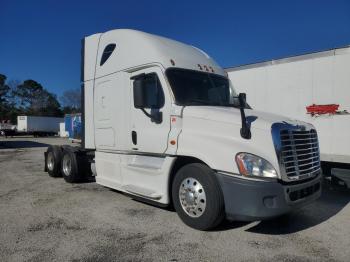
(46, 219)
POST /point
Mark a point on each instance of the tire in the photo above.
(196, 189)
(70, 167)
(53, 161)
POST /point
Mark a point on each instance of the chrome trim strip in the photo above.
(251, 178)
(160, 155)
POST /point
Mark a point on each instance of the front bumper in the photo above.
(249, 200)
(342, 174)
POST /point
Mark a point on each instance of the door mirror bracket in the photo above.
(156, 116)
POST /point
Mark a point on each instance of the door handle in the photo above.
(134, 137)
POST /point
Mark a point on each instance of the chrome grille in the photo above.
(300, 157)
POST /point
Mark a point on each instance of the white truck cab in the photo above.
(162, 122)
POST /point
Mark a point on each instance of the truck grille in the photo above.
(300, 155)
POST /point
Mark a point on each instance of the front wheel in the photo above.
(197, 197)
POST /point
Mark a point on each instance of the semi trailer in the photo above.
(311, 87)
(162, 123)
(38, 125)
(32, 125)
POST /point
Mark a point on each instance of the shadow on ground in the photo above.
(21, 144)
(332, 201)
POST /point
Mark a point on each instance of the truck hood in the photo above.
(212, 134)
(230, 115)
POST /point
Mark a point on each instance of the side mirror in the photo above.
(242, 97)
(139, 94)
(145, 96)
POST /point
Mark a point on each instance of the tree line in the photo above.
(31, 98)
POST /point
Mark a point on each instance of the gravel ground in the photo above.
(46, 219)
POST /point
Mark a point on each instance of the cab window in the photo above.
(107, 52)
(153, 91)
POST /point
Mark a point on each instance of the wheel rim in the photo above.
(66, 165)
(192, 197)
(50, 161)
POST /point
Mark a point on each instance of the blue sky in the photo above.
(40, 40)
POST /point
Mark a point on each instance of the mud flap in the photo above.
(45, 166)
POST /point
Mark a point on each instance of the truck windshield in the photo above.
(200, 88)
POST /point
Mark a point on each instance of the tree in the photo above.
(12, 98)
(33, 99)
(51, 106)
(26, 98)
(29, 93)
(72, 99)
(4, 90)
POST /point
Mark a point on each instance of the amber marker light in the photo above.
(241, 166)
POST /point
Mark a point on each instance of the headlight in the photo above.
(252, 165)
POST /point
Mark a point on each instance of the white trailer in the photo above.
(38, 125)
(312, 87)
(162, 123)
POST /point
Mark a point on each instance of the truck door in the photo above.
(147, 134)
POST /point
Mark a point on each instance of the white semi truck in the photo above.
(162, 123)
(312, 87)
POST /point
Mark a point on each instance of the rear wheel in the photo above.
(197, 197)
(69, 166)
(53, 161)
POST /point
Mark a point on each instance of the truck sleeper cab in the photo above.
(162, 122)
